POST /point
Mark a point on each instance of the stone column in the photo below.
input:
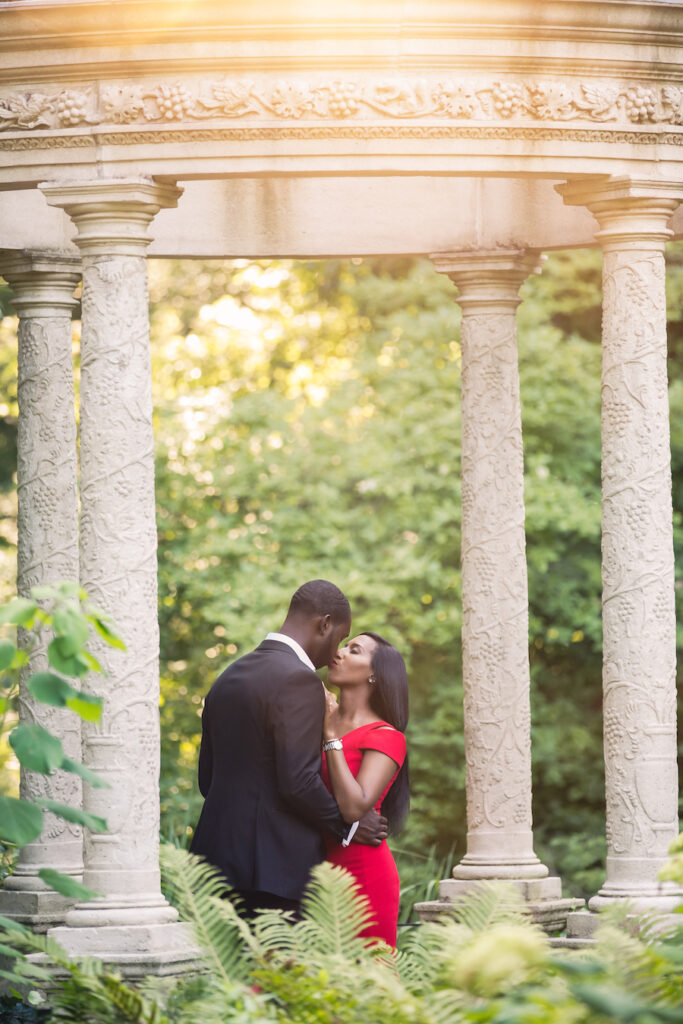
(639, 627)
(131, 925)
(495, 633)
(47, 550)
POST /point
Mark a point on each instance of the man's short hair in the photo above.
(320, 597)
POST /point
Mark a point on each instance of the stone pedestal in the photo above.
(131, 924)
(47, 551)
(639, 628)
(495, 629)
(543, 898)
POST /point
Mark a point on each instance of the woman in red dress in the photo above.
(365, 765)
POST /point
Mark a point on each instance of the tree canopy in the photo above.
(308, 425)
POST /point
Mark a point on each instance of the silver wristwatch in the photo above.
(333, 745)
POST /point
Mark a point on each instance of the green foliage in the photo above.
(673, 869)
(15, 1011)
(307, 418)
(308, 425)
(488, 964)
(65, 615)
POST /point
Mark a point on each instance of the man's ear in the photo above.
(324, 624)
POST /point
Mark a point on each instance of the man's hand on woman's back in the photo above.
(372, 829)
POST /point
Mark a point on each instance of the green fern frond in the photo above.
(489, 903)
(334, 912)
(131, 1004)
(199, 893)
(447, 1006)
(645, 925)
(644, 970)
(418, 957)
(275, 934)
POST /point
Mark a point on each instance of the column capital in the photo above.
(631, 212)
(112, 216)
(42, 282)
(489, 277)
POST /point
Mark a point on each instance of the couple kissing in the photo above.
(290, 775)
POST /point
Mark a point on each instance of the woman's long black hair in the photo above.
(389, 700)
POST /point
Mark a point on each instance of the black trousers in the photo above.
(251, 900)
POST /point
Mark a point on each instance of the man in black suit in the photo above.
(265, 804)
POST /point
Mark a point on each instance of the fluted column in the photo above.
(495, 636)
(47, 549)
(639, 627)
(132, 923)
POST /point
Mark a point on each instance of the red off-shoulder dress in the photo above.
(372, 866)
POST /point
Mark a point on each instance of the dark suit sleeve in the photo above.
(297, 726)
(205, 754)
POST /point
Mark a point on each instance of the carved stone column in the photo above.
(47, 551)
(132, 924)
(495, 632)
(639, 627)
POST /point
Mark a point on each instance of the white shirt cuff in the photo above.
(352, 832)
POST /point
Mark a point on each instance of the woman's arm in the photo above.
(357, 795)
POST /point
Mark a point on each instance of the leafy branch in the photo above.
(57, 620)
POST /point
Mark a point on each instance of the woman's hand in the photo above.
(330, 722)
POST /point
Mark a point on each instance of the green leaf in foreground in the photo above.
(19, 612)
(86, 705)
(7, 652)
(37, 749)
(71, 626)
(74, 814)
(52, 689)
(60, 655)
(85, 773)
(20, 822)
(66, 885)
(49, 688)
(102, 627)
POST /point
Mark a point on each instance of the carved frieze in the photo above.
(341, 100)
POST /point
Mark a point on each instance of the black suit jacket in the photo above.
(265, 803)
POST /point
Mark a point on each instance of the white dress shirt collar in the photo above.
(296, 647)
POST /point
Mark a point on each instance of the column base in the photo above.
(582, 926)
(662, 897)
(118, 911)
(500, 854)
(133, 950)
(38, 909)
(543, 897)
(474, 869)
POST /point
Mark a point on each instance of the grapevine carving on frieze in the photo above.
(342, 100)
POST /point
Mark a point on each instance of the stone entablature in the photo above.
(443, 86)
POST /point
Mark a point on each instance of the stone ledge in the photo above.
(582, 925)
(532, 889)
(550, 914)
(133, 966)
(562, 942)
(38, 909)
